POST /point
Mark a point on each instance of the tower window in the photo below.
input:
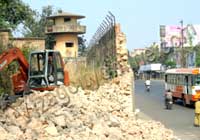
(67, 19)
(69, 44)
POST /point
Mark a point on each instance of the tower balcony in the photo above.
(65, 28)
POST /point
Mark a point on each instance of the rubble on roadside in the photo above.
(63, 114)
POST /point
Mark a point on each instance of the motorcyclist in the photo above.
(168, 98)
(147, 84)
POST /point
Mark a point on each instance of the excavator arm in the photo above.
(20, 78)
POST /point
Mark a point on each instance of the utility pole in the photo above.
(182, 45)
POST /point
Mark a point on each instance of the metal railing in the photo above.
(66, 28)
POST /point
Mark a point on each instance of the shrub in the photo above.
(6, 85)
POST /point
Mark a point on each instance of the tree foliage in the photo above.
(133, 63)
(6, 85)
(170, 64)
(35, 27)
(197, 50)
(14, 12)
(81, 45)
(152, 54)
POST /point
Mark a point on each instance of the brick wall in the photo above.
(110, 52)
(36, 43)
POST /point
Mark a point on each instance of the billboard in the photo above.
(151, 67)
(173, 36)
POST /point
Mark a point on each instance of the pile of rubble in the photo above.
(70, 113)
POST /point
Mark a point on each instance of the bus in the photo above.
(184, 83)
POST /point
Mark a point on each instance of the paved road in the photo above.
(180, 118)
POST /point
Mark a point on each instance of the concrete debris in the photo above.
(51, 130)
(121, 53)
(87, 115)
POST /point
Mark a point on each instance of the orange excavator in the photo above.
(44, 71)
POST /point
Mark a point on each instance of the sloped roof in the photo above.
(66, 14)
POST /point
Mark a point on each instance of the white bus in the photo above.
(184, 83)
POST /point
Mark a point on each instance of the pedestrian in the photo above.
(197, 114)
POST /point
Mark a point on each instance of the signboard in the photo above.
(172, 36)
(151, 67)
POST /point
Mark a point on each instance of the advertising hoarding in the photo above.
(172, 36)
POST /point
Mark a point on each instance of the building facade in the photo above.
(137, 52)
(65, 28)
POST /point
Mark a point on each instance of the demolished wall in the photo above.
(103, 52)
(70, 114)
(67, 114)
(121, 52)
(110, 52)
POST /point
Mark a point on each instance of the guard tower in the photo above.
(65, 28)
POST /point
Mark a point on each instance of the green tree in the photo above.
(136, 60)
(35, 27)
(13, 13)
(197, 50)
(81, 45)
(152, 54)
(6, 85)
(170, 63)
(133, 63)
(166, 55)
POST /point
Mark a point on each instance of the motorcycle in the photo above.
(168, 103)
(148, 88)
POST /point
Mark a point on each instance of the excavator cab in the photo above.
(46, 70)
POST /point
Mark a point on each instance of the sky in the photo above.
(139, 19)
